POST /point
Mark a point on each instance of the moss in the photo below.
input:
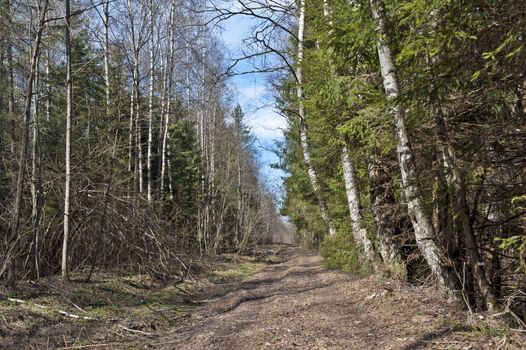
(241, 270)
(271, 259)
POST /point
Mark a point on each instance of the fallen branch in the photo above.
(84, 346)
(62, 312)
(134, 330)
(18, 301)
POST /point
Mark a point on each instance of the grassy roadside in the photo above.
(115, 311)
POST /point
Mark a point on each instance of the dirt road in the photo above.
(276, 298)
(298, 304)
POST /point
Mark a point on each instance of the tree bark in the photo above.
(69, 96)
(353, 201)
(36, 180)
(150, 107)
(15, 223)
(167, 81)
(424, 233)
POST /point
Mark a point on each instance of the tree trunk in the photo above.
(48, 88)
(138, 128)
(303, 125)
(150, 108)
(422, 226)
(69, 92)
(36, 181)
(15, 224)
(353, 200)
(167, 81)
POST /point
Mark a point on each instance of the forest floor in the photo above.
(281, 298)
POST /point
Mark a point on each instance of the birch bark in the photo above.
(424, 233)
(67, 194)
(150, 107)
(303, 124)
(36, 180)
(355, 213)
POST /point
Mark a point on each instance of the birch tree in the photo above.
(303, 122)
(424, 233)
(69, 115)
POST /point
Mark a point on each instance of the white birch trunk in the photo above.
(36, 179)
(303, 124)
(69, 92)
(138, 127)
(168, 92)
(48, 88)
(150, 108)
(422, 226)
(106, 56)
(353, 200)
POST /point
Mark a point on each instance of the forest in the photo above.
(124, 152)
(119, 142)
(407, 142)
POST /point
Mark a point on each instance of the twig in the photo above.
(62, 312)
(84, 346)
(19, 301)
(78, 307)
(134, 330)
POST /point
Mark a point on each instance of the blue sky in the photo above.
(252, 93)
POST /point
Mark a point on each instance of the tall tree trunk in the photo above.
(138, 127)
(135, 105)
(11, 94)
(48, 87)
(167, 81)
(36, 180)
(303, 125)
(424, 234)
(15, 223)
(150, 107)
(353, 201)
(69, 96)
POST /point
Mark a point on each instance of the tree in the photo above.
(14, 235)
(69, 115)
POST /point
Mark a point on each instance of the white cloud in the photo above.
(266, 124)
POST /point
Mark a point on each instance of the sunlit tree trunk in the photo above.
(353, 201)
(36, 180)
(67, 194)
(150, 107)
(168, 81)
(424, 233)
(48, 87)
